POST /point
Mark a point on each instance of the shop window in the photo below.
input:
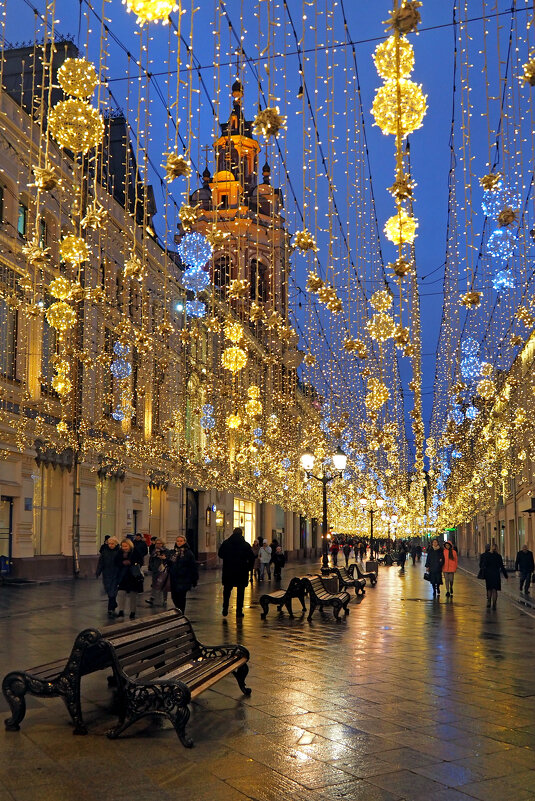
(48, 351)
(47, 510)
(106, 508)
(8, 339)
(157, 496)
(43, 233)
(244, 517)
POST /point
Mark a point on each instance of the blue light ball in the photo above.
(121, 349)
(504, 279)
(501, 244)
(470, 346)
(457, 416)
(495, 202)
(257, 432)
(286, 463)
(456, 455)
(207, 409)
(195, 250)
(207, 422)
(195, 308)
(118, 414)
(195, 280)
(470, 368)
(120, 368)
(472, 412)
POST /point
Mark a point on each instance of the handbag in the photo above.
(481, 574)
(427, 577)
(137, 572)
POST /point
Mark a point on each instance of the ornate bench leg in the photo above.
(312, 608)
(265, 608)
(302, 599)
(14, 688)
(179, 720)
(71, 696)
(336, 611)
(346, 610)
(288, 605)
(241, 674)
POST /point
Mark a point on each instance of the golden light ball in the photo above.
(233, 421)
(61, 316)
(234, 332)
(234, 359)
(151, 10)
(253, 408)
(401, 228)
(394, 56)
(399, 106)
(381, 327)
(381, 301)
(77, 77)
(76, 125)
(486, 388)
(60, 288)
(74, 249)
(253, 392)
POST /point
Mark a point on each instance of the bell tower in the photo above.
(240, 203)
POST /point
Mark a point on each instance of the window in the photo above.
(259, 281)
(8, 339)
(244, 517)
(194, 400)
(106, 506)
(49, 350)
(42, 233)
(47, 514)
(22, 220)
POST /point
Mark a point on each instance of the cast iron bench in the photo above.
(158, 666)
(371, 575)
(320, 597)
(282, 598)
(345, 580)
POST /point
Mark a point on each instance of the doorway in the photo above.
(6, 535)
(192, 520)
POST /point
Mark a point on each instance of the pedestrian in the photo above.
(419, 553)
(108, 567)
(183, 571)
(450, 566)
(413, 554)
(279, 560)
(141, 547)
(347, 550)
(159, 571)
(152, 545)
(491, 567)
(255, 569)
(402, 556)
(434, 562)
(362, 550)
(238, 557)
(130, 578)
(334, 552)
(524, 565)
(264, 554)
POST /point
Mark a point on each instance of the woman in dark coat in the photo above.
(238, 557)
(491, 563)
(130, 578)
(183, 572)
(109, 563)
(434, 562)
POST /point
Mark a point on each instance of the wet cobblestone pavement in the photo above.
(406, 698)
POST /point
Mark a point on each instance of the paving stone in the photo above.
(407, 699)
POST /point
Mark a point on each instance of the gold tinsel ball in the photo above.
(381, 327)
(253, 392)
(74, 249)
(77, 77)
(486, 369)
(412, 103)
(486, 388)
(303, 241)
(233, 421)
(390, 53)
(401, 228)
(381, 301)
(75, 125)
(61, 316)
(151, 10)
(378, 394)
(234, 359)
(60, 288)
(61, 384)
(234, 332)
(268, 122)
(253, 408)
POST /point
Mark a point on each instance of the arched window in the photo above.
(259, 281)
(222, 267)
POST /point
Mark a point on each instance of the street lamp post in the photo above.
(368, 506)
(307, 463)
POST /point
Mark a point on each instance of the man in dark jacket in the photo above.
(183, 571)
(525, 565)
(140, 547)
(238, 559)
